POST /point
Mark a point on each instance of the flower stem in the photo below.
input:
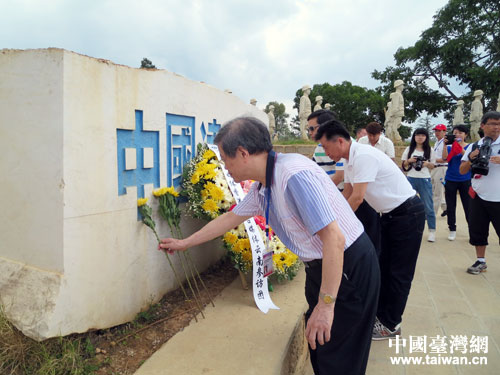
(175, 272)
(190, 286)
(179, 234)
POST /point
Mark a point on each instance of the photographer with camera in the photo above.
(454, 181)
(418, 159)
(483, 160)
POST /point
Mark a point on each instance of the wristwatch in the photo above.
(328, 299)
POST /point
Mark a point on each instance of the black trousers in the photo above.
(450, 195)
(481, 213)
(402, 230)
(347, 351)
(371, 221)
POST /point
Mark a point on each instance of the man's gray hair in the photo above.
(247, 132)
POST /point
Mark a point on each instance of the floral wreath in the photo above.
(208, 196)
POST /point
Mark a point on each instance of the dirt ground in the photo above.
(123, 349)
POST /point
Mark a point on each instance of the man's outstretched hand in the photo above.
(170, 245)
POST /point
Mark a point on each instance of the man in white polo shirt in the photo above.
(439, 171)
(376, 139)
(366, 214)
(484, 207)
(371, 175)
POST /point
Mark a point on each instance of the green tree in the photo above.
(147, 64)
(405, 131)
(459, 53)
(355, 106)
(281, 118)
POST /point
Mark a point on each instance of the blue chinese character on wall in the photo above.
(180, 145)
(209, 132)
(138, 156)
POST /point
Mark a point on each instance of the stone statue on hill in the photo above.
(304, 111)
(476, 112)
(272, 121)
(319, 100)
(458, 116)
(395, 112)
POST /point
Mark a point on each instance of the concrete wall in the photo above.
(82, 139)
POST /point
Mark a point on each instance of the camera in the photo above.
(480, 164)
(419, 163)
(450, 138)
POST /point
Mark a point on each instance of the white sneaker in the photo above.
(452, 235)
(432, 237)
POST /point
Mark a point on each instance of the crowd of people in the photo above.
(359, 241)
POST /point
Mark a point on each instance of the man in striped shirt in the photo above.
(312, 218)
(334, 169)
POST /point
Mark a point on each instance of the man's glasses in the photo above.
(311, 128)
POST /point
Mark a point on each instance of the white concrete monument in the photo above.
(328, 106)
(388, 116)
(458, 116)
(476, 112)
(498, 103)
(81, 140)
(272, 121)
(304, 111)
(396, 113)
(319, 100)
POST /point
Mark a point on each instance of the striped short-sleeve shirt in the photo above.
(327, 164)
(304, 200)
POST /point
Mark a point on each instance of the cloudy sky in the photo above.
(265, 49)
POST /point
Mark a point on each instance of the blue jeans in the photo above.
(423, 187)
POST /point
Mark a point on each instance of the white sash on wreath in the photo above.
(260, 288)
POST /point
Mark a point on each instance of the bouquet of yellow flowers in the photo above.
(205, 187)
(209, 196)
(286, 264)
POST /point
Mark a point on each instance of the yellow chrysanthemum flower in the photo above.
(230, 238)
(195, 178)
(204, 194)
(210, 206)
(209, 185)
(246, 255)
(214, 191)
(245, 243)
(290, 258)
(201, 165)
(171, 190)
(158, 192)
(141, 201)
(208, 154)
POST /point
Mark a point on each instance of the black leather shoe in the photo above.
(443, 214)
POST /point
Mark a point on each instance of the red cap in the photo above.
(440, 127)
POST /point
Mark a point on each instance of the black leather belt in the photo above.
(314, 263)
